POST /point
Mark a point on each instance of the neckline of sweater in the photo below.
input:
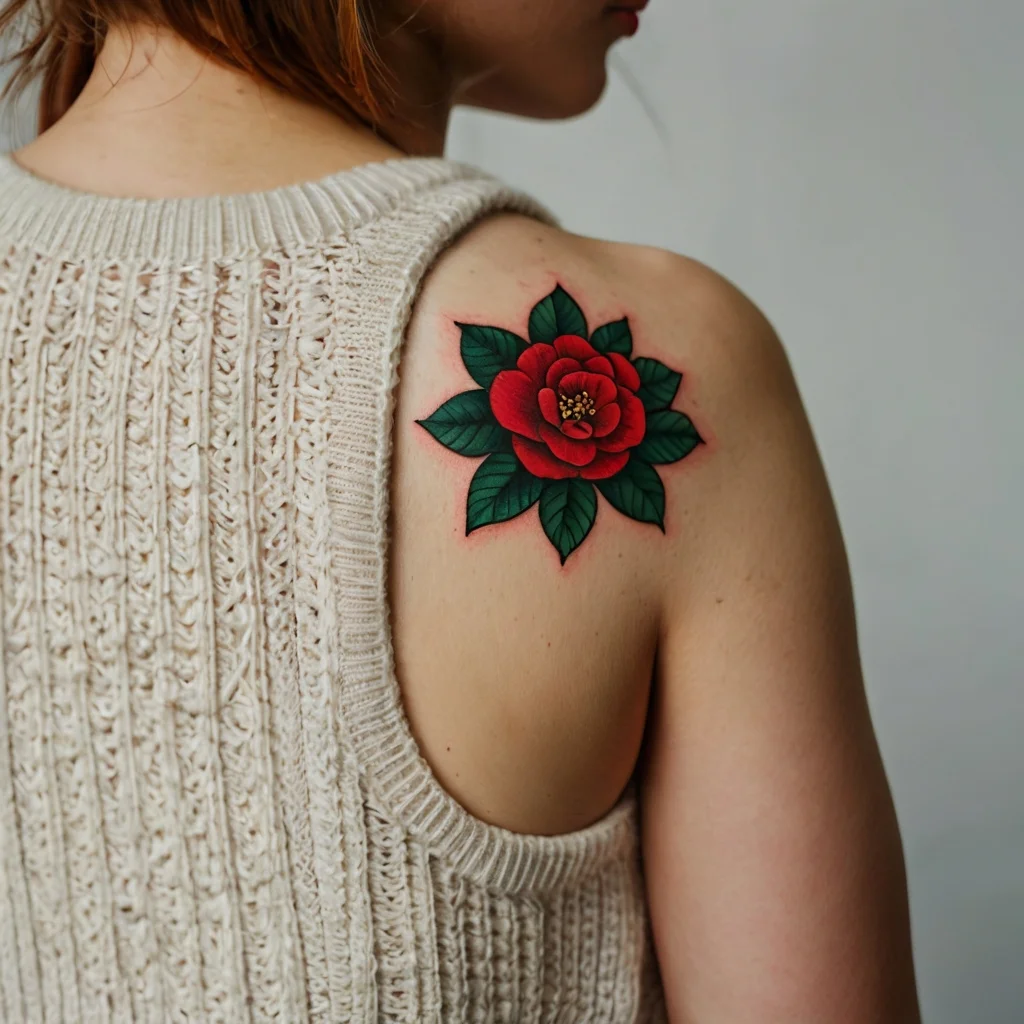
(57, 219)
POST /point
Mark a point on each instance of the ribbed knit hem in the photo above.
(85, 225)
(501, 860)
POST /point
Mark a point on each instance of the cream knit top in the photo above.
(211, 804)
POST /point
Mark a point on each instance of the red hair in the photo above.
(317, 50)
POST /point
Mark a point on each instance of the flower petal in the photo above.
(548, 402)
(539, 461)
(578, 429)
(605, 464)
(601, 389)
(514, 403)
(632, 427)
(558, 369)
(600, 364)
(574, 346)
(534, 362)
(576, 453)
(625, 371)
(606, 419)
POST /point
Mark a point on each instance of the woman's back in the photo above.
(212, 801)
(231, 470)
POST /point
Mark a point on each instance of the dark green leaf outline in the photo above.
(501, 489)
(658, 383)
(637, 492)
(669, 437)
(614, 337)
(486, 351)
(556, 314)
(465, 424)
(568, 509)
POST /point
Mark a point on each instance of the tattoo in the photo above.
(560, 415)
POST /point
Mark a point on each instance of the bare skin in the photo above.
(718, 661)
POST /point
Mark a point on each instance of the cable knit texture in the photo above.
(211, 805)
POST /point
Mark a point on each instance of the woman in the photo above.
(294, 409)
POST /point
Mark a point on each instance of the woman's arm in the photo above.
(772, 852)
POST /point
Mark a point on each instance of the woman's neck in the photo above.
(157, 118)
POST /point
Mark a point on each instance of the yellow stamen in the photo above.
(576, 406)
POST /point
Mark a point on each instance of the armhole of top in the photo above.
(371, 701)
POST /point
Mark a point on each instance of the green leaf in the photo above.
(500, 490)
(670, 436)
(658, 384)
(555, 315)
(487, 351)
(636, 491)
(466, 425)
(614, 337)
(567, 512)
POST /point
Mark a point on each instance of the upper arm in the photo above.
(772, 854)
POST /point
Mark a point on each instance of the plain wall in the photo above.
(857, 168)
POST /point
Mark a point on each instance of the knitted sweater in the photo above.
(211, 805)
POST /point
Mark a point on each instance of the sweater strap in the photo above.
(405, 246)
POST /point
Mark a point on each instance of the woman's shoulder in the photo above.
(676, 304)
(576, 420)
(697, 345)
(725, 433)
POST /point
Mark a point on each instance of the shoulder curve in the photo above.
(681, 310)
(655, 284)
(702, 310)
(695, 367)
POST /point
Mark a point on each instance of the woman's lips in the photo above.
(627, 15)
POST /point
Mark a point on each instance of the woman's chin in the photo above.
(552, 100)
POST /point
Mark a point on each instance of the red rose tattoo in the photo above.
(560, 417)
(571, 410)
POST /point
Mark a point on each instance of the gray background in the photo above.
(856, 167)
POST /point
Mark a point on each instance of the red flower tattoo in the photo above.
(572, 411)
(560, 417)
